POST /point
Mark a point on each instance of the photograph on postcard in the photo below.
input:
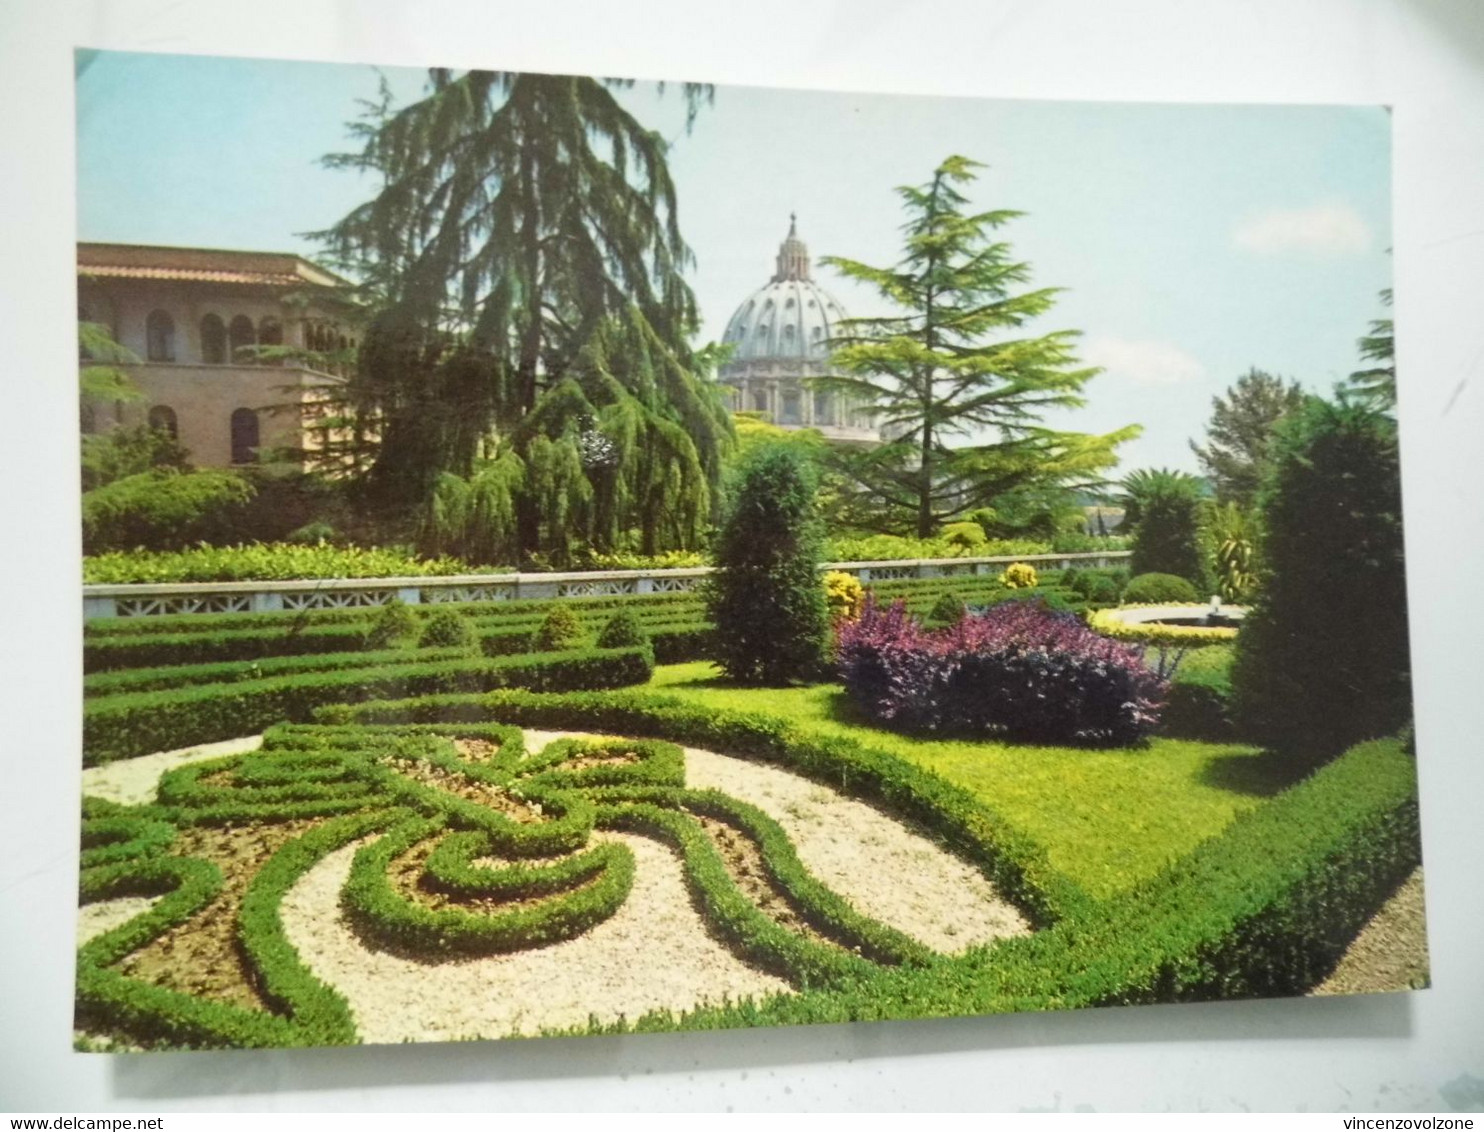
(567, 555)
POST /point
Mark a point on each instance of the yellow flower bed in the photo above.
(1109, 624)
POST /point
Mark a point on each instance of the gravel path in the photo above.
(883, 868)
(1390, 953)
(131, 782)
(105, 915)
(653, 952)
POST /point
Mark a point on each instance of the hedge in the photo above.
(312, 1013)
(395, 922)
(124, 680)
(1266, 908)
(1109, 624)
(132, 724)
(949, 814)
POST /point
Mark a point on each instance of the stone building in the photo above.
(780, 338)
(195, 317)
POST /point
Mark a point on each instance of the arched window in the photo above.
(823, 411)
(159, 337)
(788, 333)
(759, 401)
(162, 419)
(213, 340)
(241, 335)
(244, 436)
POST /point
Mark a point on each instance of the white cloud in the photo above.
(1147, 363)
(1327, 229)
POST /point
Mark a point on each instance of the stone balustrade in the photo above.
(158, 599)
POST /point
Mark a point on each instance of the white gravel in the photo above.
(132, 782)
(653, 953)
(105, 915)
(884, 869)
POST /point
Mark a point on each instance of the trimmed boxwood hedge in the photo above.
(132, 724)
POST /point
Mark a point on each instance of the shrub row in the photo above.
(133, 724)
(155, 679)
(311, 1014)
(384, 915)
(818, 905)
(756, 935)
(1266, 908)
(1015, 865)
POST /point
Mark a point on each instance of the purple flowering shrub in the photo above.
(1017, 670)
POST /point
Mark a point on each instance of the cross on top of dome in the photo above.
(793, 254)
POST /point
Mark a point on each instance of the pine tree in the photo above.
(1235, 454)
(525, 264)
(1376, 387)
(942, 369)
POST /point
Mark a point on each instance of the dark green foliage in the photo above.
(958, 376)
(1235, 455)
(1164, 509)
(1100, 589)
(559, 629)
(1375, 388)
(395, 626)
(1158, 589)
(153, 650)
(388, 917)
(766, 600)
(122, 452)
(622, 631)
(163, 509)
(537, 298)
(1322, 657)
(131, 724)
(1017, 868)
(446, 629)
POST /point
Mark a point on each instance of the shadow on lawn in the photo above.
(1263, 774)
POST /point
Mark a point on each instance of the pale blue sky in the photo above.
(1193, 241)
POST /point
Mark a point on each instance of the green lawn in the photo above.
(1107, 819)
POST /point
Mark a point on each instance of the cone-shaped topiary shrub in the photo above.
(1322, 659)
(772, 625)
(1018, 670)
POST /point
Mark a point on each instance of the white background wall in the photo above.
(1424, 57)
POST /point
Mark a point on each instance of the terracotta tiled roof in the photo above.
(202, 265)
(119, 271)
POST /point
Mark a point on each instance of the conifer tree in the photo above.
(1234, 456)
(526, 268)
(954, 365)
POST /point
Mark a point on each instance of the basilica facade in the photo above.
(781, 337)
